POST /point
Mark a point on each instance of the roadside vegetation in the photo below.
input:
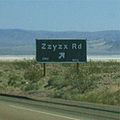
(97, 82)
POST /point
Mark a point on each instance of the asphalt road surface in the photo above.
(13, 111)
(20, 109)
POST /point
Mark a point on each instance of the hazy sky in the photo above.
(60, 15)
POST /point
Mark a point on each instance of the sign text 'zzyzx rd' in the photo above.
(55, 47)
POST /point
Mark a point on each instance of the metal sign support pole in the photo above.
(77, 67)
(44, 69)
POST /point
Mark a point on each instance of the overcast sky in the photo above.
(60, 15)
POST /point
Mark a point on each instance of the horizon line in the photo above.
(24, 29)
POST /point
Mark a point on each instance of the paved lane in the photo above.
(8, 111)
(14, 108)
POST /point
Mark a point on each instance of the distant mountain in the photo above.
(22, 42)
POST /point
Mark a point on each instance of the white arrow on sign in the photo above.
(61, 55)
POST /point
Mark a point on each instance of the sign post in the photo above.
(44, 67)
(77, 68)
(61, 51)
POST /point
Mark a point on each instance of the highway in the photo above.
(18, 108)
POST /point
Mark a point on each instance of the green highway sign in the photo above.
(61, 50)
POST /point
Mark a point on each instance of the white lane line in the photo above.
(47, 113)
